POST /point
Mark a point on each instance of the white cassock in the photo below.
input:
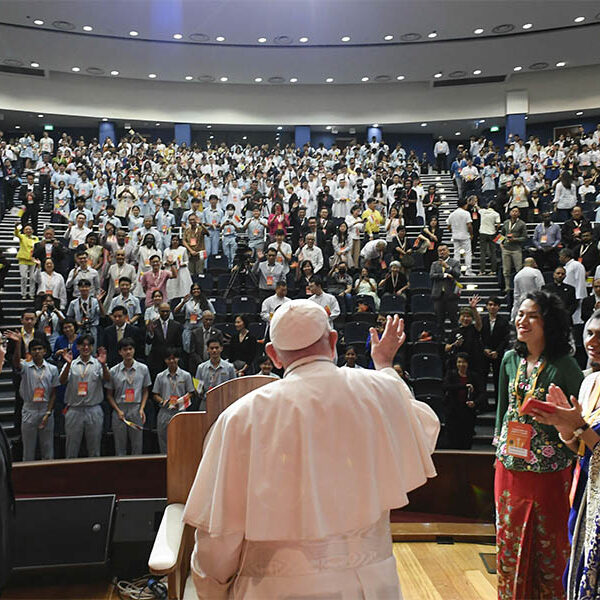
(576, 277)
(293, 493)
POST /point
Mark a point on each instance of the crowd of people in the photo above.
(124, 331)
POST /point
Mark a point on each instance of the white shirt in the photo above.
(270, 305)
(314, 254)
(458, 221)
(441, 148)
(329, 303)
(528, 279)
(489, 219)
(241, 495)
(576, 277)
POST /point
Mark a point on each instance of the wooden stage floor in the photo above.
(427, 571)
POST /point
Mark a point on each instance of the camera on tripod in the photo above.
(243, 257)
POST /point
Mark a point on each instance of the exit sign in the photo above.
(48, 127)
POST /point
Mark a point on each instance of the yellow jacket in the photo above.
(26, 244)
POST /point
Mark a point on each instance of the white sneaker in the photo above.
(470, 273)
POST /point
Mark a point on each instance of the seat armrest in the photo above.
(165, 551)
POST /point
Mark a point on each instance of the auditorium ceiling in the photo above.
(298, 42)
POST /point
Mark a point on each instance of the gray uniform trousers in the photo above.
(162, 421)
(80, 420)
(31, 433)
(122, 431)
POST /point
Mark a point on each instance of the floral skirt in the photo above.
(531, 533)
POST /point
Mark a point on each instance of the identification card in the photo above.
(48, 292)
(147, 262)
(82, 388)
(536, 211)
(475, 216)
(543, 239)
(75, 243)
(269, 280)
(518, 441)
(48, 253)
(255, 232)
(47, 329)
(193, 318)
(576, 231)
(173, 401)
(38, 394)
(193, 241)
(129, 395)
(328, 311)
(116, 283)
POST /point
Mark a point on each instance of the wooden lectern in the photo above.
(186, 432)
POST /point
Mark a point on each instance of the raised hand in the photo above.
(385, 348)
(15, 336)
(473, 301)
(68, 356)
(102, 355)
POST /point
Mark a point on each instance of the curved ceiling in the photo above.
(388, 41)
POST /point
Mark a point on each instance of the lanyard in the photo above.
(129, 376)
(83, 370)
(537, 369)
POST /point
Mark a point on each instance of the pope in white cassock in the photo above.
(292, 497)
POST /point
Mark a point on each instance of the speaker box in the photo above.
(136, 524)
(63, 531)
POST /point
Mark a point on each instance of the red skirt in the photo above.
(531, 533)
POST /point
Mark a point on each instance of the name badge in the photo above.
(38, 394)
(75, 243)
(576, 231)
(536, 211)
(117, 283)
(82, 388)
(173, 401)
(255, 232)
(193, 241)
(269, 279)
(518, 441)
(193, 318)
(129, 395)
(47, 330)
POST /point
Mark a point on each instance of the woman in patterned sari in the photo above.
(579, 427)
(533, 465)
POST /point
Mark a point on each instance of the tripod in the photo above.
(236, 271)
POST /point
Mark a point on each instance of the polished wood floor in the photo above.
(427, 571)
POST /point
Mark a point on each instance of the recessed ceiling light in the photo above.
(133, 33)
(35, 65)
(114, 73)
(517, 68)
(400, 77)
(177, 36)
(579, 113)
(375, 124)
(189, 77)
(17, 127)
(477, 72)
(40, 116)
(223, 79)
(579, 19)
(262, 40)
(328, 127)
(387, 38)
(220, 38)
(257, 79)
(279, 128)
(209, 127)
(478, 31)
(528, 26)
(104, 119)
(329, 80)
(346, 38)
(303, 40)
(152, 75)
(561, 63)
(38, 22)
(364, 79)
(293, 79)
(210, 137)
(432, 35)
(423, 124)
(438, 75)
(75, 69)
(482, 120)
(457, 133)
(245, 137)
(157, 124)
(87, 28)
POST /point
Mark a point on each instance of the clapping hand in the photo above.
(102, 355)
(473, 301)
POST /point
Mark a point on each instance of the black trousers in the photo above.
(446, 306)
(441, 163)
(30, 216)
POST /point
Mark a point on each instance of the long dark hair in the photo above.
(556, 325)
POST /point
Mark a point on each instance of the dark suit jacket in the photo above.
(440, 283)
(197, 348)
(566, 293)
(568, 236)
(58, 252)
(496, 340)
(108, 339)
(37, 194)
(159, 344)
(587, 307)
